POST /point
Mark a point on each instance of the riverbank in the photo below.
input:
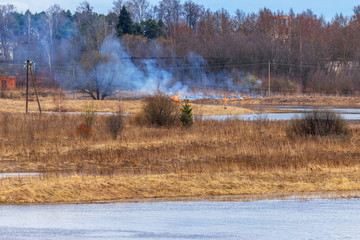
(230, 186)
(288, 100)
(307, 100)
(111, 106)
(68, 101)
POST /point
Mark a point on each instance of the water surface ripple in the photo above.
(268, 219)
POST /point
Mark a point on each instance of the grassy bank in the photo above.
(210, 158)
(308, 100)
(88, 188)
(129, 107)
(68, 102)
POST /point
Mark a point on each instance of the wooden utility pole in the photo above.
(34, 85)
(29, 68)
(269, 79)
(27, 84)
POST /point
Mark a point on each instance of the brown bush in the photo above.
(89, 114)
(5, 123)
(160, 110)
(138, 119)
(115, 123)
(84, 131)
(318, 122)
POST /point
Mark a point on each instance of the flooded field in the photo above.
(283, 113)
(287, 113)
(6, 175)
(268, 219)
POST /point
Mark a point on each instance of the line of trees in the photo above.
(306, 52)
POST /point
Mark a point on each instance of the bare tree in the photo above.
(192, 12)
(84, 21)
(28, 25)
(84, 13)
(98, 72)
(239, 20)
(52, 18)
(356, 11)
(170, 12)
(138, 9)
(224, 22)
(118, 4)
(6, 29)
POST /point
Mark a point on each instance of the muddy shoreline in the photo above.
(305, 196)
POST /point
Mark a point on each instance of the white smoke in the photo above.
(122, 72)
(188, 76)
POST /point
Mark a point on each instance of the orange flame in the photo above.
(176, 98)
(235, 98)
(180, 98)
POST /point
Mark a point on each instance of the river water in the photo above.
(351, 114)
(7, 175)
(267, 219)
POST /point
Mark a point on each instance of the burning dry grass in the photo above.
(51, 101)
(210, 158)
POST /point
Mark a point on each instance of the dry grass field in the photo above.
(209, 159)
(54, 101)
(293, 100)
(308, 100)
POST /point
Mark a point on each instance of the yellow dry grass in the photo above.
(52, 103)
(211, 158)
(87, 188)
(309, 100)
(213, 110)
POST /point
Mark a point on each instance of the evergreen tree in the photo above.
(138, 29)
(162, 27)
(125, 24)
(186, 116)
(151, 29)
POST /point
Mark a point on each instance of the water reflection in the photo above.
(271, 219)
(351, 114)
(274, 116)
(5, 175)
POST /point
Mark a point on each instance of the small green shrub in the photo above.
(186, 116)
(160, 110)
(318, 122)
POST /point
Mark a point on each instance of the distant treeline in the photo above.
(306, 52)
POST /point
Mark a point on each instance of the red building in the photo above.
(7, 83)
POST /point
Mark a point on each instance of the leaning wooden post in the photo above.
(269, 79)
(27, 84)
(34, 85)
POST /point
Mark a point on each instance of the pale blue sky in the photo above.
(327, 8)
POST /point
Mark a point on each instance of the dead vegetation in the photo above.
(68, 101)
(160, 110)
(211, 158)
(50, 143)
(318, 122)
(143, 161)
(307, 100)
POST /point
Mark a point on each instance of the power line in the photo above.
(187, 66)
